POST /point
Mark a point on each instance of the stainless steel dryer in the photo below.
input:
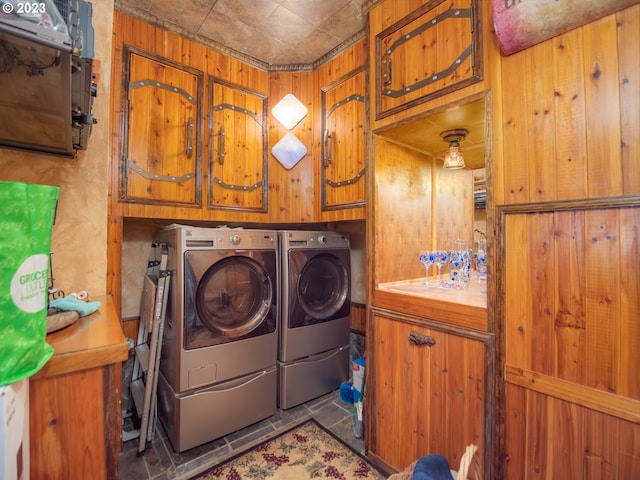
(218, 362)
(313, 356)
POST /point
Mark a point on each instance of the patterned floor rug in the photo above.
(307, 451)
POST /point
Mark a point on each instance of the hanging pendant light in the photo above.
(453, 159)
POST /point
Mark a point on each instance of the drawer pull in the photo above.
(416, 338)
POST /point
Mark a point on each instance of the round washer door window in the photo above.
(233, 296)
(323, 286)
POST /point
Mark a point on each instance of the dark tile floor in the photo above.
(161, 462)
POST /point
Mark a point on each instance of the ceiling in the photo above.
(272, 32)
(423, 134)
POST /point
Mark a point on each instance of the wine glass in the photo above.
(440, 258)
(426, 260)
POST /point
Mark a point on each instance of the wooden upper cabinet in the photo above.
(344, 148)
(160, 154)
(433, 51)
(238, 138)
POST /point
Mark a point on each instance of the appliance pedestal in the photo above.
(310, 377)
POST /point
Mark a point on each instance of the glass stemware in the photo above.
(427, 261)
(459, 264)
(440, 258)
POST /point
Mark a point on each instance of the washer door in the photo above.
(233, 296)
(323, 286)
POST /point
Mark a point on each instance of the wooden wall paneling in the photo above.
(403, 190)
(453, 209)
(541, 299)
(629, 330)
(358, 318)
(114, 260)
(570, 156)
(578, 442)
(565, 421)
(600, 457)
(517, 316)
(291, 192)
(582, 297)
(539, 90)
(602, 82)
(574, 287)
(569, 318)
(515, 131)
(602, 295)
(629, 458)
(512, 457)
(628, 23)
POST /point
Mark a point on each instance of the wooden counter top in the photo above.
(92, 341)
(464, 307)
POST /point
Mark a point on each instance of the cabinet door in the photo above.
(431, 52)
(238, 167)
(344, 149)
(161, 144)
(427, 389)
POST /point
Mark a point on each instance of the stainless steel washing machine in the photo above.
(218, 362)
(313, 357)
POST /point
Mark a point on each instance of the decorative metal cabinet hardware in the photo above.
(160, 148)
(418, 339)
(238, 161)
(431, 52)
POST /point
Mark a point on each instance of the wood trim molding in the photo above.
(598, 400)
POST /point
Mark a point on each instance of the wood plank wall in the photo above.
(291, 192)
(410, 185)
(569, 254)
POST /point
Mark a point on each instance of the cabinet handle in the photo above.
(416, 338)
(188, 146)
(387, 70)
(221, 153)
(327, 148)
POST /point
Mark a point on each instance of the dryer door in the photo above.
(321, 288)
(231, 299)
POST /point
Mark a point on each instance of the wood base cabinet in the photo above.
(426, 390)
(75, 422)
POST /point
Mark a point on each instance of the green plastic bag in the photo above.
(26, 220)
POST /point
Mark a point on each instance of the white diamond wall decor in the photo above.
(289, 150)
(289, 111)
